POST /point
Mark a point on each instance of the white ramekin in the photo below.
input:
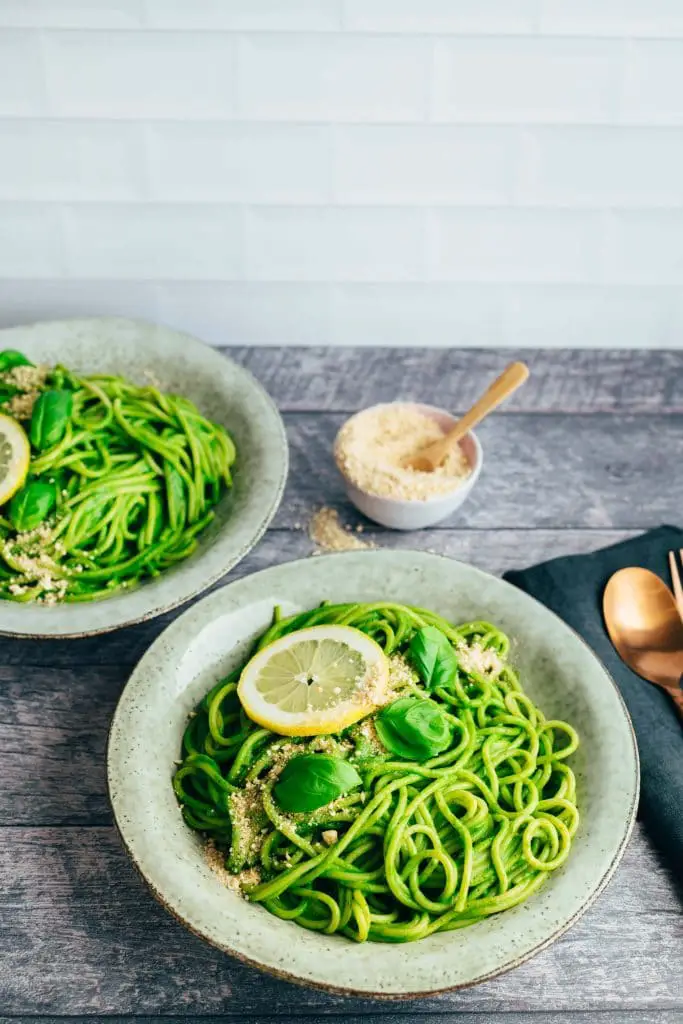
(417, 514)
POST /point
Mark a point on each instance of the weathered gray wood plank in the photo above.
(392, 1017)
(82, 935)
(605, 472)
(343, 379)
(492, 550)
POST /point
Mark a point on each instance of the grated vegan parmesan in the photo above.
(372, 445)
(483, 660)
(216, 861)
(30, 380)
(328, 534)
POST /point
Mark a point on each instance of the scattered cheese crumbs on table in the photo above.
(328, 534)
(371, 446)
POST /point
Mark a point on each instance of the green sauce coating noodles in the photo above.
(424, 847)
(137, 473)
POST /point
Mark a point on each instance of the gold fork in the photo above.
(676, 581)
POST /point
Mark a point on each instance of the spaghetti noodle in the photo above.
(423, 846)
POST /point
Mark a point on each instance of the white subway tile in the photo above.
(249, 313)
(645, 247)
(260, 163)
(50, 160)
(515, 245)
(24, 302)
(653, 89)
(423, 164)
(139, 75)
(30, 241)
(611, 166)
(245, 15)
(72, 13)
(589, 317)
(416, 314)
(22, 88)
(331, 78)
(342, 244)
(153, 242)
(496, 16)
(512, 79)
(612, 17)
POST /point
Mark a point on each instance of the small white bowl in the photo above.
(398, 514)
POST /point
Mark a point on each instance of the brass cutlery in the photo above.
(645, 626)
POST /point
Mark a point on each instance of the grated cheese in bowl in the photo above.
(370, 450)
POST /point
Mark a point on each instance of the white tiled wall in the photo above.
(442, 172)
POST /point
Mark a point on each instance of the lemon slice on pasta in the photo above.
(315, 681)
(15, 455)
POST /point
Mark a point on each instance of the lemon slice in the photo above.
(315, 681)
(15, 455)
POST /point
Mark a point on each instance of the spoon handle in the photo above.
(512, 377)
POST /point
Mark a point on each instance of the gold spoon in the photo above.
(431, 457)
(644, 625)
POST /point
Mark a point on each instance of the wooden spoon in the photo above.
(644, 625)
(431, 457)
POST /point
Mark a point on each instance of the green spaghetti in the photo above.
(414, 844)
(121, 481)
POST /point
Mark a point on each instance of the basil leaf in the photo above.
(313, 780)
(434, 657)
(9, 358)
(415, 728)
(31, 505)
(51, 415)
(7, 391)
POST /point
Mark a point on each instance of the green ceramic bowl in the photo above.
(559, 672)
(223, 391)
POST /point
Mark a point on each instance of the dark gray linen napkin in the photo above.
(572, 587)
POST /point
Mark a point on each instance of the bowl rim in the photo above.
(461, 491)
(207, 605)
(200, 581)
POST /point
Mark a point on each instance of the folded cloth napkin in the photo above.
(572, 587)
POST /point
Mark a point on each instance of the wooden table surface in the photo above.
(584, 455)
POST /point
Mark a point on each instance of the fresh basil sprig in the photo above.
(310, 781)
(50, 418)
(415, 728)
(9, 358)
(434, 658)
(31, 505)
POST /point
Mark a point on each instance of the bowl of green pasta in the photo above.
(137, 466)
(382, 773)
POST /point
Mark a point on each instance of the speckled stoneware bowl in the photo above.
(224, 392)
(560, 673)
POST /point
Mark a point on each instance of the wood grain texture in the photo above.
(345, 379)
(590, 471)
(492, 550)
(392, 1017)
(82, 935)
